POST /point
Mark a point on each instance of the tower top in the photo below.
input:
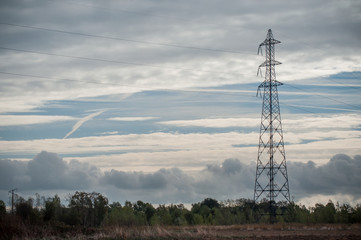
(269, 34)
(269, 39)
(270, 62)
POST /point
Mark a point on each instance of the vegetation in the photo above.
(88, 212)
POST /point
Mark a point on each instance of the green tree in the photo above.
(52, 209)
(129, 217)
(114, 214)
(177, 214)
(197, 219)
(89, 208)
(223, 216)
(100, 204)
(162, 216)
(145, 210)
(211, 203)
(24, 208)
(2, 208)
(356, 214)
(324, 214)
(343, 213)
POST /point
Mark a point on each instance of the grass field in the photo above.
(240, 232)
(254, 231)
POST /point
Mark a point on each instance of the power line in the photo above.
(137, 64)
(298, 108)
(303, 108)
(116, 61)
(191, 90)
(358, 88)
(65, 79)
(338, 101)
(127, 40)
(142, 13)
(112, 9)
(207, 91)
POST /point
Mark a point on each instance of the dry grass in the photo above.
(246, 232)
(254, 231)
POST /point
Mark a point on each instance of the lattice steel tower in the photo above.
(271, 172)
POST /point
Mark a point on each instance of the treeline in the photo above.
(93, 210)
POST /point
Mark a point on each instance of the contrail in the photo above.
(82, 121)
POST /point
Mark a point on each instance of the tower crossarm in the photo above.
(267, 64)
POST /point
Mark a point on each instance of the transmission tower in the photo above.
(12, 199)
(271, 173)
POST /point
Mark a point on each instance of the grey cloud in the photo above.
(234, 179)
(47, 171)
(12, 173)
(136, 180)
(230, 180)
(228, 167)
(221, 182)
(341, 175)
(162, 186)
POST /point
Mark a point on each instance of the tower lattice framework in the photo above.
(271, 173)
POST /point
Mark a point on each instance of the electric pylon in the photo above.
(12, 199)
(271, 172)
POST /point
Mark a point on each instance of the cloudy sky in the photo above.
(156, 100)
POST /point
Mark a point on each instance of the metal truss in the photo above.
(271, 173)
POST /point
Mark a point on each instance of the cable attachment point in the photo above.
(260, 50)
(259, 71)
(259, 92)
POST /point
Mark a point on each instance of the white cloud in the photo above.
(314, 135)
(325, 198)
(109, 133)
(131, 119)
(143, 150)
(82, 121)
(146, 152)
(292, 123)
(331, 121)
(208, 26)
(215, 122)
(16, 120)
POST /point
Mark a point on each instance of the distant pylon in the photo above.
(12, 200)
(271, 172)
